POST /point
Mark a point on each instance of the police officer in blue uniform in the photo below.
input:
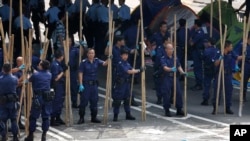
(163, 33)
(196, 43)
(4, 14)
(121, 86)
(9, 102)
(210, 55)
(167, 62)
(228, 57)
(73, 65)
(123, 15)
(89, 85)
(115, 10)
(42, 99)
(58, 83)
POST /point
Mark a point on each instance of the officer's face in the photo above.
(169, 49)
(91, 54)
(163, 28)
(124, 56)
(122, 43)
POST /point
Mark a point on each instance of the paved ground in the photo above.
(199, 125)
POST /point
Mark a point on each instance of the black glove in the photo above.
(142, 69)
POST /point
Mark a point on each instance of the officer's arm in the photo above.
(59, 76)
(239, 58)
(133, 71)
(181, 70)
(80, 78)
(167, 69)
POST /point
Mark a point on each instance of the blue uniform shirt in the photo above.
(181, 35)
(8, 84)
(198, 38)
(56, 69)
(210, 55)
(70, 8)
(115, 10)
(85, 4)
(124, 13)
(117, 55)
(169, 62)
(26, 23)
(102, 14)
(92, 12)
(130, 35)
(35, 61)
(61, 3)
(41, 80)
(158, 37)
(52, 14)
(160, 52)
(5, 12)
(122, 69)
(18, 74)
(73, 58)
(228, 59)
(89, 69)
(35, 3)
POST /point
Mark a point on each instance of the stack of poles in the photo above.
(245, 38)
(185, 69)
(221, 69)
(68, 115)
(134, 63)
(143, 85)
(109, 69)
(175, 58)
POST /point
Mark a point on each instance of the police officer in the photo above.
(4, 14)
(196, 43)
(228, 56)
(89, 85)
(121, 86)
(73, 64)
(247, 66)
(42, 99)
(37, 8)
(123, 15)
(163, 33)
(58, 83)
(210, 55)
(60, 31)
(9, 102)
(91, 18)
(115, 10)
(169, 69)
(51, 15)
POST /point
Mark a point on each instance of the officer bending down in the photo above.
(9, 105)
(42, 99)
(121, 86)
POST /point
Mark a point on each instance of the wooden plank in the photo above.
(185, 79)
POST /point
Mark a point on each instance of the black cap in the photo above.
(198, 22)
(124, 51)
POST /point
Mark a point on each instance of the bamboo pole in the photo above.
(211, 18)
(143, 85)
(11, 48)
(10, 18)
(134, 63)
(175, 59)
(109, 71)
(222, 72)
(245, 38)
(185, 78)
(5, 52)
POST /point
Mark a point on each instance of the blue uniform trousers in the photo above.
(196, 54)
(59, 99)
(121, 93)
(8, 111)
(89, 95)
(45, 110)
(228, 89)
(73, 85)
(166, 88)
(207, 84)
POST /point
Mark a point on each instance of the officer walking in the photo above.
(9, 102)
(121, 86)
(210, 55)
(196, 42)
(42, 99)
(163, 33)
(89, 85)
(169, 69)
(228, 56)
(58, 83)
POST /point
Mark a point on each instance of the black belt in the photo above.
(91, 82)
(8, 98)
(41, 92)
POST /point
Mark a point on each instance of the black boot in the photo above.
(81, 114)
(213, 110)
(43, 136)
(229, 111)
(244, 97)
(115, 117)
(59, 120)
(20, 125)
(93, 117)
(204, 102)
(53, 122)
(129, 116)
(180, 112)
(30, 137)
(167, 113)
(159, 101)
(15, 138)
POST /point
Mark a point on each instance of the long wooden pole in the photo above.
(143, 85)
(175, 58)
(10, 18)
(5, 51)
(222, 72)
(134, 63)
(211, 18)
(185, 78)
(109, 70)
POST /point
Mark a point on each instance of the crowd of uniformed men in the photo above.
(48, 77)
